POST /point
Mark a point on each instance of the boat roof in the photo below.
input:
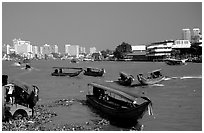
(157, 70)
(26, 87)
(128, 95)
(66, 68)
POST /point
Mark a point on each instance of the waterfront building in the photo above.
(67, 48)
(138, 53)
(8, 49)
(35, 51)
(159, 50)
(74, 50)
(196, 32)
(46, 50)
(55, 49)
(92, 50)
(23, 48)
(82, 50)
(181, 44)
(196, 37)
(41, 50)
(186, 34)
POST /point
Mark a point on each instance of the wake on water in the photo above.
(184, 77)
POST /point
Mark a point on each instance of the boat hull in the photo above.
(145, 81)
(95, 74)
(67, 74)
(127, 82)
(124, 114)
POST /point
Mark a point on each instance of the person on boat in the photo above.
(56, 71)
(60, 70)
(27, 66)
(9, 96)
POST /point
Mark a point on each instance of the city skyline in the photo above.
(101, 25)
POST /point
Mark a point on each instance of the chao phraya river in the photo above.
(177, 101)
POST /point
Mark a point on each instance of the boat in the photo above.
(22, 101)
(117, 104)
(171, 61)
(74, 60)
(152, 77)
(66, 71)
(125, 79)
(94, 71)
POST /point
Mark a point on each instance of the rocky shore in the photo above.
(44, 115)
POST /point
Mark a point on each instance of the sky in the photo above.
(103, 25)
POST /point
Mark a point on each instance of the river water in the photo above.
(177, 101)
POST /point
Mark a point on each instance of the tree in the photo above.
(121, 50)
(106, 52)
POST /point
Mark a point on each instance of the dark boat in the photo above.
(94, 72)
(125, 79)
(152, 77)
(66, 71)
(171, 61)
(74, 61)
(116, 104)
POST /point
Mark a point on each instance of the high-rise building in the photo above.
(46, 49)
(67, 48)
(55, 49)
(41, 50)
(35, 50)
(74, 50)
(92, 50)
(196, 31)
(82, 50)
(186, 34)
(22, 47)
(8, 49)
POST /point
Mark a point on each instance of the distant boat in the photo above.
(74, 61)
(125, 79)
(66, 71)
(116, 104)
(90, 71)
(171, 61)
(152, 77)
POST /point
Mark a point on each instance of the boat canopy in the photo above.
(155, 71)
(118, 92)
(26, 87)
(66, 68)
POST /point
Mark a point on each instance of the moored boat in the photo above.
(20, 99)
(116, 104)
(90, 71)
(152, 77)
(171, 61)
(125, 79)
(66, 71)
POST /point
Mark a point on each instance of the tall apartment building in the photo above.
(55, 49)
(46, 49)
(23, 48)
(92, 50)
(67, 48)
(72, 50)
(35, 51)
(196, 32)
(82, 50)
(186, 34)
